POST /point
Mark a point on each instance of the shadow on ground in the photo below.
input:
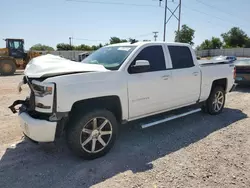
(243, 88)
(46, 165)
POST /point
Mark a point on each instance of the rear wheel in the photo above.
(93, 134)
(216, 101)
(7, 67)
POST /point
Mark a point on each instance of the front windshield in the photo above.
(110, 57)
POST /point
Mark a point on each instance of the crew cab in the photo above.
(114, 85)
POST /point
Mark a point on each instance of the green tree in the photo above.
(83, 47)
(100, 45)
(205, 45)
(63, 46)
(41, 47)
(235, 37)
(214, 43)
(185, 35)
(115, 40)
(248, 43)
(94, 47)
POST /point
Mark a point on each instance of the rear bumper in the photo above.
(243, 82)
(36, 129)
(242, 78)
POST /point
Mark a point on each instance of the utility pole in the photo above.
(179, 22)
(155, 35)
(172, 14)
(70, 43)
(165, 18)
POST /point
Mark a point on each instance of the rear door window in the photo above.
(181, 57)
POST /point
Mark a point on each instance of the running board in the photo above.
(169, 118)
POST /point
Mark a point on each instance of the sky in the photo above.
(51, 22)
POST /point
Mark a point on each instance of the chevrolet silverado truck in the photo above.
(120, 83)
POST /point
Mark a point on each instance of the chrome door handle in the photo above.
(195, 73)
(165, 77)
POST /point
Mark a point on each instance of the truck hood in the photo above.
(51, 65)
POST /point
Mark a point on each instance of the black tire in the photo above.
(75, 133)
(209, 106)
(9, 63)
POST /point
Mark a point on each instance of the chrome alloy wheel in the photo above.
(218, 101)
(96, 134)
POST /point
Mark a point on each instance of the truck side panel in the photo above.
(213, 73)
(88, 86)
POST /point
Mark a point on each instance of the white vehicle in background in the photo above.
(225, 58)
(114, 85)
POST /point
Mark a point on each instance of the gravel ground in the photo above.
(196, 151)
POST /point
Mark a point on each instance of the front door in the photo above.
(147, 90)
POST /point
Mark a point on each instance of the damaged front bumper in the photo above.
(36, 129)
(37, 126)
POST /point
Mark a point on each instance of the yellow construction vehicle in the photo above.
(14, 56)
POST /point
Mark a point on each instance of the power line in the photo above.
(211, 15)
(94, 40)
(221, 10)
(113, 3)
(211, 6)
(148, 5)
(101, 40)
(143, 35)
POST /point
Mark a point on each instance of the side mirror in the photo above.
(140, 66)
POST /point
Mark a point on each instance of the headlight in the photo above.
(41, 90)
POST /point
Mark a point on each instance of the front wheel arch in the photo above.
(111, 103)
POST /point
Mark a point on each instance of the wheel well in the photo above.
(111, 103)
(220, 82)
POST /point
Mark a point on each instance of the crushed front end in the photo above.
(38, 116)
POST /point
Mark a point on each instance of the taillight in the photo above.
(234, 72)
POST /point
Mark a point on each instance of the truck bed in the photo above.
(212, 62)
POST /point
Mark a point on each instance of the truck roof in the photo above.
(154, 42)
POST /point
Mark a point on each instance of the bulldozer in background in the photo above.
(13, 56)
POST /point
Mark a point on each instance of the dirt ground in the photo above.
(196, 151)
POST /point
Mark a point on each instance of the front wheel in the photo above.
(93, 134)
(216, 101)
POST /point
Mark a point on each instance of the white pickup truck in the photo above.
(114, 85)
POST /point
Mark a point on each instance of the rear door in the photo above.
(186, 76)
(147, 90)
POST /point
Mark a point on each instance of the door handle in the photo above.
(195, 73)
(165, 77)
